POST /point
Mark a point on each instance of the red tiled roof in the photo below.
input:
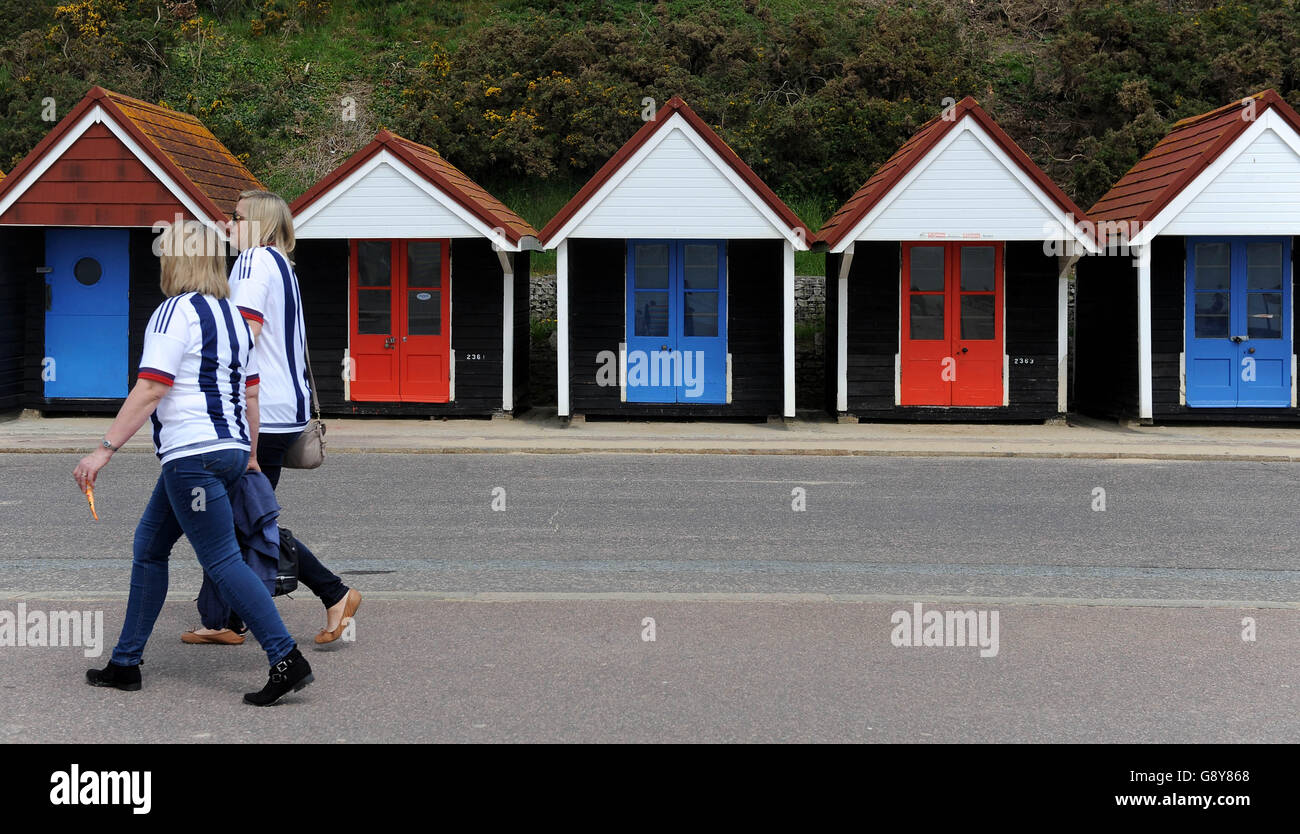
(1180, 157)
(674, 105)
(888, 175)
(429, 164)
(201, 166)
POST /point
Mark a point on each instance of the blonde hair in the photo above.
(270, 218)
(192, 259)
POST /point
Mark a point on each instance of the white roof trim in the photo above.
(678, 122)
(1269, 121)
(98, 115)
(969, 124)
(441, 197)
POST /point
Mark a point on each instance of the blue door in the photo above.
(86, 307)
(1238, 327)
(677, 321)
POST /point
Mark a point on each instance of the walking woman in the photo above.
(198, 382)
(265, 289)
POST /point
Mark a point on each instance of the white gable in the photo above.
(384, 198)
(676, 186)
(1258, 192)
(968, 188)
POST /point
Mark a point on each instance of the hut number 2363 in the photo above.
(1022, 360)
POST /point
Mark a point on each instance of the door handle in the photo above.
(963, 350)
(1250, 350)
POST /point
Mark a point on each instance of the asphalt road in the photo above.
(606, 523)
(527, 624)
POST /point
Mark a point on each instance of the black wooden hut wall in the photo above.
(20, 259)
(21, 254)
(476, 309)
(1030, 325)
(598, 319)
(1106, 349)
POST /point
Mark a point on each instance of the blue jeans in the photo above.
(320, 580)
(174, 509)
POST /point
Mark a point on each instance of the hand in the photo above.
(88, 467)
(252, 464)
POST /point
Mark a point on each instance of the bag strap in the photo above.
(286, 273)
(306, 357)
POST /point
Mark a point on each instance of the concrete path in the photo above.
(539, 431)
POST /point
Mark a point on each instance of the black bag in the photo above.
(286, 575)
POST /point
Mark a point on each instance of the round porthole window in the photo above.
(88, 271)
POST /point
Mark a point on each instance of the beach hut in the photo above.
(76, 244)
(1189, 313)
(675, 281)
(12, 310)
(947, 293)
(415, 287)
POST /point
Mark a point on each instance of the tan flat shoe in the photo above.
(224, 637)
(349, 610)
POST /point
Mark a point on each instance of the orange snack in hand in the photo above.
(90, 496)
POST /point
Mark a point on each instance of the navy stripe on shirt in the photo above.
(302, 331)
(290, 320)
(208, 367)
(164, 314)
(235, 390)
(157, 432)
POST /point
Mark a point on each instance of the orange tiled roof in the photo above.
(1177, 159)
(192, 147)
(178, 142)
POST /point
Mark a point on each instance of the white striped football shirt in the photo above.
(265, 288)
(200, 347)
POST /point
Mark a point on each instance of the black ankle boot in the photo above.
(125, 678)
(289, 675)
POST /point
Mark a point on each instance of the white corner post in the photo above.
(562, 328)
(842, 331)
(1144, 332)
(507, 330)
(787, 287)
(1064, 264)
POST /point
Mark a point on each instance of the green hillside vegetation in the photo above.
(530, 97)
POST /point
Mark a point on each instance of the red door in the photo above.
(373, 345)
(951, 347)
(401, 303)
(424, 305)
